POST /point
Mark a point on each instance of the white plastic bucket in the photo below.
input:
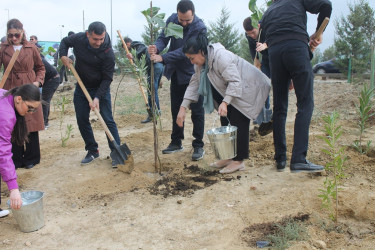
(30, 216)
(223, 141)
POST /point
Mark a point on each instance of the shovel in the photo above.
(9, 68)
(139, 80)
(121, 155)
(320, 31)
(256, 60)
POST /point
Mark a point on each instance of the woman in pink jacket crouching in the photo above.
(14, 105)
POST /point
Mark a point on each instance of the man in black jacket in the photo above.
(288, 46)
(95, 63)
(141, 49)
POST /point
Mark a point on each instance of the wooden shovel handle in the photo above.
(131, 61)
(90, 101)
(320, 30)
(9, 68)
(124, 45)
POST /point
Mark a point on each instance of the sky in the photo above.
(50, 20)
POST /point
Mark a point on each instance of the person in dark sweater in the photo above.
(252, 36)
(51, 83)
(95, 64)
(62, 72)
(179, 69)
(284, 24)
(141, 49)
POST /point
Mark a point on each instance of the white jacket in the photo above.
(239, 82)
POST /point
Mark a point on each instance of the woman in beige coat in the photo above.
(230, 84)
(28, 68)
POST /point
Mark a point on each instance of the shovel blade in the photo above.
(121, 156)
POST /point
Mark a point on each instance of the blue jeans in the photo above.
(158, 73)
(290, 59)
(82, 109)
(265, 68)
(266, 114)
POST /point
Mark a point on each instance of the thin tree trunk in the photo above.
(153, 105)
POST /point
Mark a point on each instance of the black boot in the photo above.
(148, 119)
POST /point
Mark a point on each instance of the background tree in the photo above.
(147, 34)
(354, 36)
(318, 57)
(329, 53)
(244, 50)
(223, 32)
(122, 61)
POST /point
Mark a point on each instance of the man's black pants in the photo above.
(290, 60)
(177, 92)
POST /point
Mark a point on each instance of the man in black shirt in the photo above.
(95, 64)
(284, 24)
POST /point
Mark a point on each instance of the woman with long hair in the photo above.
(230, 84)
(28, 68)
(14, 105)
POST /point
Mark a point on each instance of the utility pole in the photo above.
(61, 29)
(83, 20)
(111, 22)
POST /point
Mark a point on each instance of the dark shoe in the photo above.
(305, 167)
(114, 165)
(265, 128)
(197, 154)
(29, 166)
(148, 119)
(280, 166)
(172, 148)
(90, 157)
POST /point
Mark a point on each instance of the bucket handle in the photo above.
(213, 124)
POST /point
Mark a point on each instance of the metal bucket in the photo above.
(223, 141)
(30, 216)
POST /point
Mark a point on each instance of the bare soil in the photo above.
(190, 205)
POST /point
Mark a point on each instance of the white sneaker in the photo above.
(3, 213)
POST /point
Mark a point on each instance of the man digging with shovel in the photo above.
(95, 63)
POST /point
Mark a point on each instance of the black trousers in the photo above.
(242, 123)
(177, 92)
(291, 60)
(63, 74)
(27, 154)
(48, 90)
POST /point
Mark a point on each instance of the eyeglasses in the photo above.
(16, 35)
(30, 109)
(32, 39)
